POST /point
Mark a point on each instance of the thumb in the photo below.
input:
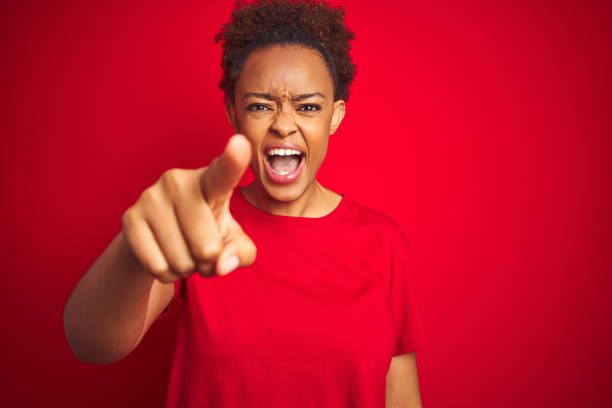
(239, 250)
(222, 176)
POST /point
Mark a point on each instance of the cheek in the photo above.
(254, 131)
(318, 150)
(319, 137)
(255, 128)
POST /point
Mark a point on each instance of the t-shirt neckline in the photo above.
(260, 214)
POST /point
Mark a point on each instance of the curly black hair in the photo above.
(262, 23)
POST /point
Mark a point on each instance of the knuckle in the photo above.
(152, 202)
(149, 196)
(159, 271)
(173, 180)
(183, 268)
(128, 218)
(208, 251)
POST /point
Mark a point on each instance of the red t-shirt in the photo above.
(313, 322)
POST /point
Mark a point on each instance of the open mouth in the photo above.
(283, 162)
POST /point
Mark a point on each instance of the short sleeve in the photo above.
(409, 331)
(179, 292)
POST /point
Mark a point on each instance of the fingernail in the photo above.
(229, 264)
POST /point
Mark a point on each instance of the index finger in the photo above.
(224, 173)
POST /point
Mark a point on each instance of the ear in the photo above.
(337, 116)
(230, 111)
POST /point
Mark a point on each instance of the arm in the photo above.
(113, 305)
(180, 224)
(403, 383)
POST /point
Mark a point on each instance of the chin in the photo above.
(285, 193)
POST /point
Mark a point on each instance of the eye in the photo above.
(310, 107)
(258, 107)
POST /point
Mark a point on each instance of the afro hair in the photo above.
(263, 23)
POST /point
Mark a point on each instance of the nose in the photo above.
(284, 123)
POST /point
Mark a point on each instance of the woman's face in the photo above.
(284, 104)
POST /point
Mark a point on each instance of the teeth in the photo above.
(284, 152)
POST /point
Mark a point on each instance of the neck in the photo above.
(317, 201)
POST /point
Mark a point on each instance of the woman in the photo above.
(294, 294)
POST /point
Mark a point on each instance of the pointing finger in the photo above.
(222, 176)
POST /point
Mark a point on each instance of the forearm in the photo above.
(403, 399)
(105, 314)
(403, 383)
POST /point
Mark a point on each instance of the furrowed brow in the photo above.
(258, 95)
(308, 96)
(269, 97)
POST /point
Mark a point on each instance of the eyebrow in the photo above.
(271, 98)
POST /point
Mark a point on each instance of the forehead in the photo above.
(285, 69)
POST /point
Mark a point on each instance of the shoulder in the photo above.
(384, 236)
(379, 222)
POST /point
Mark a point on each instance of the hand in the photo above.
(182, 223)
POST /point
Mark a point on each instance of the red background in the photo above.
(483, 129)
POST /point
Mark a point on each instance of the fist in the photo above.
(182, 223)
